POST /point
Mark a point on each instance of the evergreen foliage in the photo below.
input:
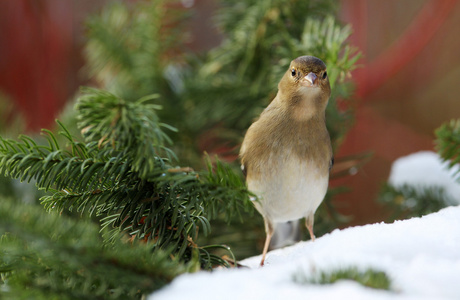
(408, 201)
(120, 176)
(47, 256)
(11, 124)
(130, 46)
(369, 277)
(448, 142)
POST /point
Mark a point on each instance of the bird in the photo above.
(286, 154)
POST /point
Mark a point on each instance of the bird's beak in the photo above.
(310, 79)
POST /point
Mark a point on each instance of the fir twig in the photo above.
(369, 277)
(47, 256)
(119, 175)
(448, 142)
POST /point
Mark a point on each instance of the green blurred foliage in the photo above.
(448, 142)
(407, 201)
(125, 175)
(48, 256)
(368, 278)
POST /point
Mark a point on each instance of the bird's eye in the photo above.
(324, 75)
(293, 72)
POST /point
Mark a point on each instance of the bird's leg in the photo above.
(309, 224)
(269, 231)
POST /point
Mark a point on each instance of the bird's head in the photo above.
(306, 83)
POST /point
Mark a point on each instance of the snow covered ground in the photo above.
(421, 256)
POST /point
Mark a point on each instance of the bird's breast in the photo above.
(290, 188)
(287, 165)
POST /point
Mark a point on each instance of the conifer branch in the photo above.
(120, 176)
(49, 256)
(412, 201)
(448, 141)
(131, 128)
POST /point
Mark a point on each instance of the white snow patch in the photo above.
(425, 169)
(421, 256)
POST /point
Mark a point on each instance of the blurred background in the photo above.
(406, 82)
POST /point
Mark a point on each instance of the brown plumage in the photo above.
(286, 154)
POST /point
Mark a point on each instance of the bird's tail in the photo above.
(285, 234)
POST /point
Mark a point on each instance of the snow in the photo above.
(421, 256)
(425, 168)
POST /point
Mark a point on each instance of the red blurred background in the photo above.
(407, 85)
